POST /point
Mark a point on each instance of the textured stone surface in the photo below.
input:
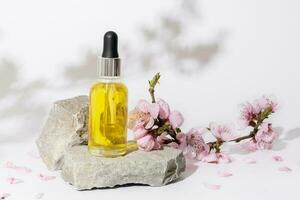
(60, 148)
(65, 127)
(155, 168)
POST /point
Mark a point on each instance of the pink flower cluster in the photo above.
(250, 111)
(263, 139)
(222, 132)
(144, 119)
(250, 116)
(192, 144)
(155, 125)
(195, 148)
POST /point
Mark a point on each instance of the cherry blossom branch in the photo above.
(155, 124)
(163, 125)
(251, 135)
(254, 123)
(217, 144)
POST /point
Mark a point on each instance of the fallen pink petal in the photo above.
(277, 158)
(224, 174)
(212, 186)
(46, 178)
(13, 180)
(285, 169)
(250, 161)
(21, 169)
(39, 196)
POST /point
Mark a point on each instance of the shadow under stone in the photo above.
(191, 168)
(115, 187)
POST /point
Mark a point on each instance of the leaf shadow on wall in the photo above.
(18, 101)
(164, 44)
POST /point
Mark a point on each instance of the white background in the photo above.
(247, 48)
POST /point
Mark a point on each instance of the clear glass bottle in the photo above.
(108, 105)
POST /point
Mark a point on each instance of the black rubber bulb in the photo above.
(110, 45)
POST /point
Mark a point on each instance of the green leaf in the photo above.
(178, 130)
(154, 80)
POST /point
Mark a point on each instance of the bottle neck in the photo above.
(109, 67)
(110, 79)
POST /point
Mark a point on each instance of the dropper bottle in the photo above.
(108, 104)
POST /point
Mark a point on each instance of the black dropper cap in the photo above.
(110, 45)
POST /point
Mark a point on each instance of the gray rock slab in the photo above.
(155, 168)
(65, 127)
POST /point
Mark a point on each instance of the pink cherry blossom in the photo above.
(211, 158)
(265, 136)
(196, 146)
(150, 123)
(146, 143)
(182, 139)
(222, 132)
(164, 109)
(217, 158)
(247, 114)
(250, 145)
(146, 107)
(154, 127)
(192, 144)
(259, 105)
(157, 145)
(176, 119)
(162, 138)
(153, 109)
(143, 115)
(263, 139)
(138, 119)
(263, 103)
(140, 132)
(272, 103)
(277, 158)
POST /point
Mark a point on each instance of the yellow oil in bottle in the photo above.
(108, 119)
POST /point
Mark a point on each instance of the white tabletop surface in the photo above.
(258, 54)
